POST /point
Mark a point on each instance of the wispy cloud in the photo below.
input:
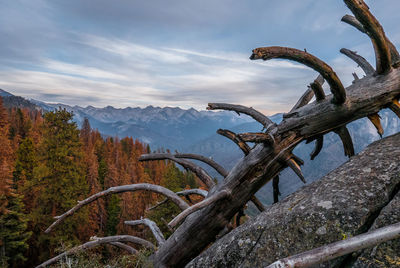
(136, 53)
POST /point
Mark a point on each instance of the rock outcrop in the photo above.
(360, 195)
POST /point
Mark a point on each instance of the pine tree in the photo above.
(59, 182)
(13, 222)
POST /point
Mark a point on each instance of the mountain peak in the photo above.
(4, 93)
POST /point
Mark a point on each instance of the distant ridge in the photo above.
(4, 93)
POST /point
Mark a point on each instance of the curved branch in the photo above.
(236, 139)
(375, 31)
(361, 61)
(214, 198)
(351, 20)
(395, 107)
(256, 115)
(185, 193)
(99, 241)
(318, 146)
(309, 60)
(376, 121)
(206, 160)
(344, 135)
(318, 90)
(200, 173)
(122, 189)
(130, 249)
(152, 226)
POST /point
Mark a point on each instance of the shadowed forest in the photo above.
(47, 163)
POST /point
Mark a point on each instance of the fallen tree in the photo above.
(203, 223)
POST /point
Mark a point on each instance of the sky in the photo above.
(181, 53)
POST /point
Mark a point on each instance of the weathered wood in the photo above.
(340, 248)
(209, 200)
(345, 137)
(100, 241)
(121, 189)
(256, 115)
(376, 121)
(184, 193)
(275, 189)
(130, 249)
(257, 203)
(361, 61)
(351, 20)
(200, 172)
(256, 137)
(296, 168)
(318, 91)
(309, 60)
(368, 96)
(236, 139)
(206, 160)
(308, 95)
(319, 142)
(375, 31)
(395, 107)
(152, 226)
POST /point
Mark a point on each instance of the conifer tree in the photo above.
(59, 181)
(13, 222)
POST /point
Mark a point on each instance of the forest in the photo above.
(47, 163)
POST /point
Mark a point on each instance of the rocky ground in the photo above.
(361, 195)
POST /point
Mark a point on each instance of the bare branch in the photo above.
(185, 193)
(318, 90)
(304, 99)
(296, 168)
(238, 216)
(236, 139)
(256, 115)
(375, 31)
(395, 107)
(200, 172)
(340, 248)
(130, 249)
(376, 121)
(319, 142)
(308, 95)
(309, 60)
(212, 199)
(351, 20)
(206, 160)
(257, 203)
(344, 135)
(298, 160)
(122, 189)
(275, 188)
(100, 241)
(355, 23)
(361, 61)
(153, 227)
(259, 137)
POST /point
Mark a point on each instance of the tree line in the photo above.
(47, 163)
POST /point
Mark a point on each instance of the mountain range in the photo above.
(194, 131)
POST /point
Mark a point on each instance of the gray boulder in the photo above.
(359, 195)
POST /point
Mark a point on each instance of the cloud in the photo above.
(174, 53)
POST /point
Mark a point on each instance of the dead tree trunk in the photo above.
(202, 223)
